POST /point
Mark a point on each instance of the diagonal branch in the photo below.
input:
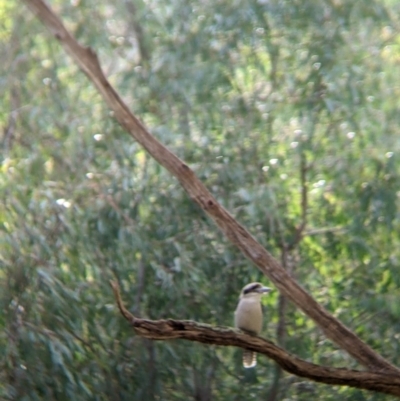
(206, 334)
(87, 60)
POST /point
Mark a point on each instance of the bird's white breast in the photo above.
(248, 315)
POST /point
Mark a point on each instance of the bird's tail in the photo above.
(249, 359)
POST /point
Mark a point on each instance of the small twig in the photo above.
(127, 315)
(9, 130)
(139, 288)
(324, 230)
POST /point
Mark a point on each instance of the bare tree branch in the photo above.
(288, 264)
(304, 203)
(206, 334)
(237, 234)
(137, 28)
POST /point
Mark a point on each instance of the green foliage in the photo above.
(243, 92)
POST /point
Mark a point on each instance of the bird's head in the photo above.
(254, 290)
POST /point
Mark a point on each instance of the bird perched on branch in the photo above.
(248, 316)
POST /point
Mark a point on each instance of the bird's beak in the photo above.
(265, 290)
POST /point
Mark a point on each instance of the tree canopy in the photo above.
(289, 114)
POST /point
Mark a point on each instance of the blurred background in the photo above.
(288, 111)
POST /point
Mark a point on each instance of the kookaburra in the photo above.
(248, 316)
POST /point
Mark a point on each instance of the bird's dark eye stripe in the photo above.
(252, 288)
